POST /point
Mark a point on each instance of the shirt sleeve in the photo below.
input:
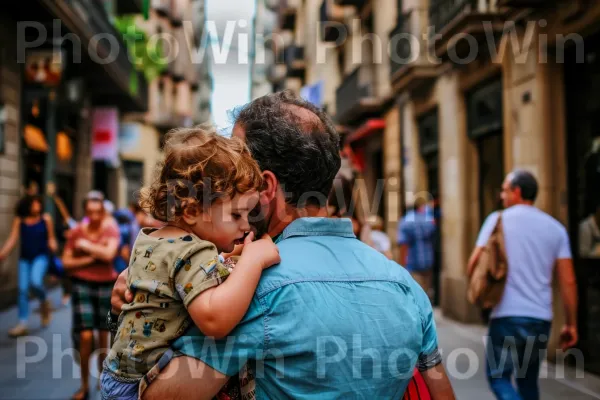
(196, 270)
(564, 248)
(73, 236)
(228, 355)
(430, 355)
(487, 229)
(111, 231)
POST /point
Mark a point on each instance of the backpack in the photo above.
(488, 280)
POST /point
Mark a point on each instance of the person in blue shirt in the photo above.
(336, 318)
(416, 237)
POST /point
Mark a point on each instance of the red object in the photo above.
(417, 388)
(102, 136)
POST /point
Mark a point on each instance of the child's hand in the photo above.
(263, 251)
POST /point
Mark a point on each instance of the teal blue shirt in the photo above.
(335, 319)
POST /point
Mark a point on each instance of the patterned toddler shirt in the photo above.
(165, 275)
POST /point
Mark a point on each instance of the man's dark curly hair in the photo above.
(294, 140)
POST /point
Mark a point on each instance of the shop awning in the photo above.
(35, 139)
(367, 129)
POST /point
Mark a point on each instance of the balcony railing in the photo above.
(410, 65)
(442, 12)
(451, 18)
(349, 94)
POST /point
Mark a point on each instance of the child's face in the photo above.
(226, 222)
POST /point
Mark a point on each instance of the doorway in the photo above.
(582, 84)
(484, 116)
(429, 149)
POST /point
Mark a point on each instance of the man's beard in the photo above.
(258, 222)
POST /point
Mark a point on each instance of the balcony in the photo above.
(453, 19)
(114, 81)
(355, 99)
(409, 64)
(294, 60)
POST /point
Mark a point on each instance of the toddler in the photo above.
(206, 187)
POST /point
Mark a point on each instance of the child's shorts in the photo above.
(113, 388)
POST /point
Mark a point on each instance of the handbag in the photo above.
(488, 280)
(417, 388)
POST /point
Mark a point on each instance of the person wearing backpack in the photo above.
(533, 245)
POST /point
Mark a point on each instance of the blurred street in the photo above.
(39, 383)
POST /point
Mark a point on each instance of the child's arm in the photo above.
(218, 310)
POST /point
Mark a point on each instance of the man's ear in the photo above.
(270, 185)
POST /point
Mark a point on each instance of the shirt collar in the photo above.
(341, 227)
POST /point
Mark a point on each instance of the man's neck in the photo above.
(524, 203)
(290, 214)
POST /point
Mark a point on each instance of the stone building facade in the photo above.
(506, 84)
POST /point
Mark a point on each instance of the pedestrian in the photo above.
(416, 237)
(535, 245)
(381, 241)
(88, 257)
(329, 293)
(589, 235)
(125, 220)
(177, 273)
(34, 230)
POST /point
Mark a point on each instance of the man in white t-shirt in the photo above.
(535, 243)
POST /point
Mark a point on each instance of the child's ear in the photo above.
(192, 212)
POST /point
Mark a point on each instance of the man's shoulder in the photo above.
(330, 258)
(525, 215)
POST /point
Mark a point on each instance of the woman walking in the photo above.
(35, 231)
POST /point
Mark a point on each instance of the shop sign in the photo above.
(105, 135)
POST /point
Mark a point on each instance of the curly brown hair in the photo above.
(200, 166)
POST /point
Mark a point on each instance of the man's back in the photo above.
(334, 319)
(534, 241)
